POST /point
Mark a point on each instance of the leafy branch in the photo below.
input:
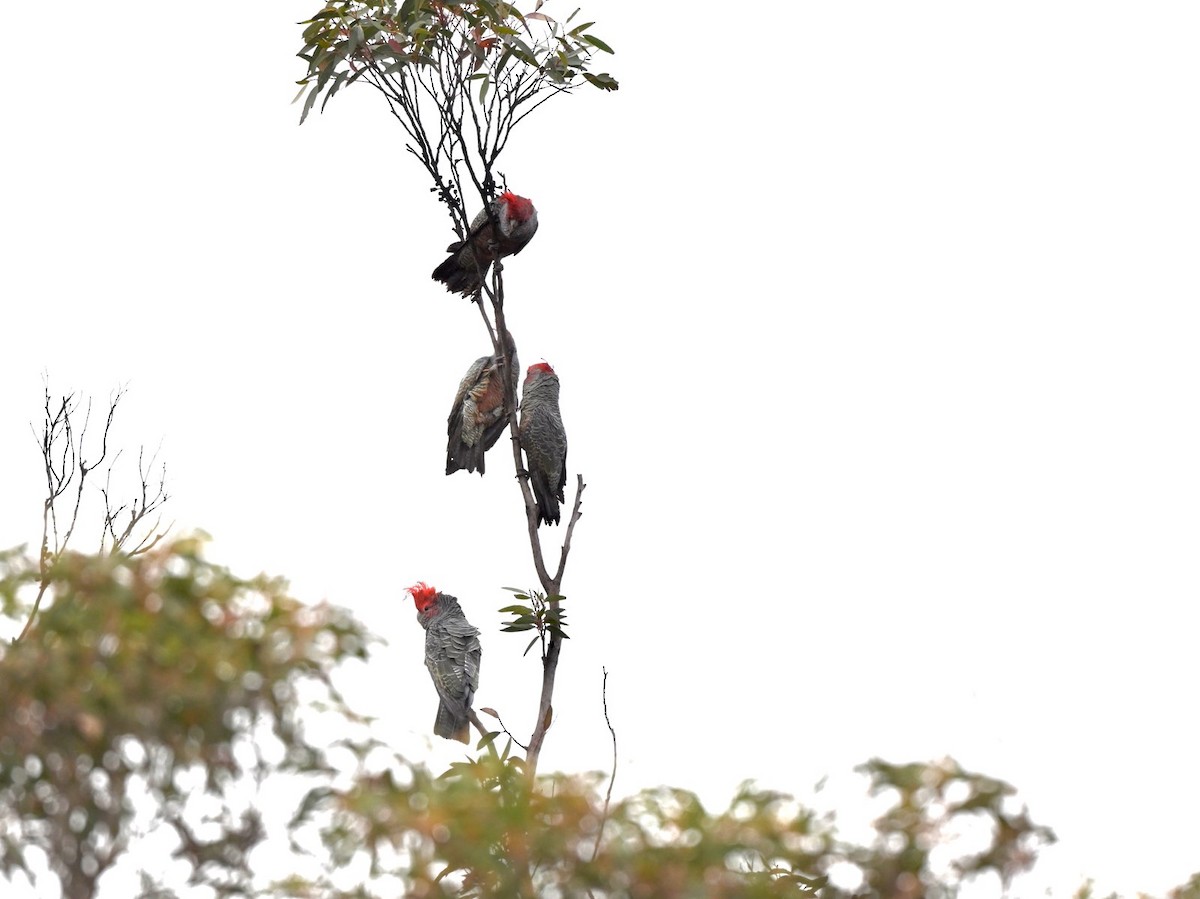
(546, 616)
(458, 77)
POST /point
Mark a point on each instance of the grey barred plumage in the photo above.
(479, 414)
(452, 655)
(544, 440)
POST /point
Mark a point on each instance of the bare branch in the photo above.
(37, 604)
(576, 514)
(612, 778)
(550, 663)
(504, 729)
(140, 509)
(66, 468)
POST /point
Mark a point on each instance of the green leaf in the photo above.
(604, 81)
(487, 739)
(483, 87)
(529, 647)
(337, 83)
(326, 13)
(308, 104)
(575, 32)
(519, 610)
(454, 770)
(520, 50)
(596, 42)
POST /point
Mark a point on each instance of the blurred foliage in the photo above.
(154, 692)
(157, 694)
(483, 829)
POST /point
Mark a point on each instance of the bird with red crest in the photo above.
(479, 414)
(544, 440)
(502, 229)
(452, 655)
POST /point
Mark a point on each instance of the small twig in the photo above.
(506, 731)
(575, 516)
(612, 778)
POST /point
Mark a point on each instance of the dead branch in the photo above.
(139, 509)
(66, 467)
(613, 777)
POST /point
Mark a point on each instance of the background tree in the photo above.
(148, 706)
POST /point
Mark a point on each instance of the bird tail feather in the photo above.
(450, 726)
(547, 502)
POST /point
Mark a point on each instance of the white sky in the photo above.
(877, 330)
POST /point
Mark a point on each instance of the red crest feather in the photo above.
(423, 595)
(518, 207)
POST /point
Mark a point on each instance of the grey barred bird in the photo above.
(480, 411)
(465, 267)
(452, 655)
(544, 440)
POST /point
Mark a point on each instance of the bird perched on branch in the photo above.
(480, 411)
(452, 655)
(515, 224)
(544, 440)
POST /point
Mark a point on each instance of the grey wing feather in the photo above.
(562, 477)
(453, 654)
(454, 423)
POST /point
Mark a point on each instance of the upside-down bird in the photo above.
(452, 655)
(480, 411)
(544, 440)
(515, 224)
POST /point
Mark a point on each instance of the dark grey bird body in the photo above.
(544, 440)
(516, 223)
(452, 655)
(480, 411)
